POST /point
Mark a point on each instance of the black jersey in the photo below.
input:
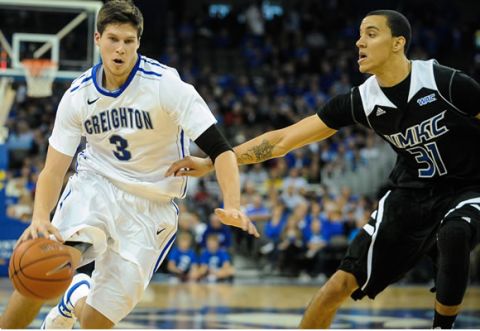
(428, 119)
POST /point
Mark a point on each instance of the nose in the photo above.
(121, 48)
(360, 43)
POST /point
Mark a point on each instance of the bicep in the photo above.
(57, 163)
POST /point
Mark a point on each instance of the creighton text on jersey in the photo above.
(118, 118)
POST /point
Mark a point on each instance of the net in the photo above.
(39, 74)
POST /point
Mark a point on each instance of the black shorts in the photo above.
(401, 231)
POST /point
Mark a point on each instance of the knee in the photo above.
(93, 319)
(341, 284)
(454, 239)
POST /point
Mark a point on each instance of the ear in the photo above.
(97, 37)
(399, 43)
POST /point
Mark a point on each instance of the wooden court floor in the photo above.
(204, 306)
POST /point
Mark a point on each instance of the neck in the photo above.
(113, 82)
(393, 72)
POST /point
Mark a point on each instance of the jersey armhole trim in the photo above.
(351, 106)
(352, 110)
(449, 100)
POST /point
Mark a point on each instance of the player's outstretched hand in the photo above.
(190, 166)
(40, 228)
(234, 217)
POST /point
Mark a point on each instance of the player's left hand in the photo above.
(190, 166)
(234, 217)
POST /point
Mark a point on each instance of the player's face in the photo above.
(375, 44)
(118, 47)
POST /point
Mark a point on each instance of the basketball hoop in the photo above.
(39, 74)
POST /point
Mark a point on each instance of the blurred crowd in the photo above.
(260, 67)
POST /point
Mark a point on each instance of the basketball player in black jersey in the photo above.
(429, 114)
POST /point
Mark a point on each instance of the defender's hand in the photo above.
(234, 217)
(190, 166)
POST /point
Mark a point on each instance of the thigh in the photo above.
(144, 233)
(117, 286)
(83, 213)
(396, 237)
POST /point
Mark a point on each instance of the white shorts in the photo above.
(130, 237)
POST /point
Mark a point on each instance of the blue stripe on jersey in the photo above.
(153, 62)
(182, 142)
(79, 77)
(176, 207)
(149, 72)
(165, 250)
(86, 79)
(182, 134)
(122, 88)
(66, 196)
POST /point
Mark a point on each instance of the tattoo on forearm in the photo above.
(257, 153)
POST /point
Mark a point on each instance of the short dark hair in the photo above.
(398, 24)
(120, 12)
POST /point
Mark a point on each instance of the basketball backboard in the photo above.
(58, 30)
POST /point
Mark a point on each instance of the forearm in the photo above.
(279, 142)
(264, 147)
(229, 179)
(49, 186)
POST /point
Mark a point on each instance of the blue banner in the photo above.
(3, 178)
(10, 231)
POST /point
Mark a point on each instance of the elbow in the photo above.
(280, 150)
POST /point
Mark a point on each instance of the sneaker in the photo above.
(62, 315)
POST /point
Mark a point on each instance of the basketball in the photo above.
(41, 269)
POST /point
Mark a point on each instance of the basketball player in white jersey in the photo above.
(137, 116)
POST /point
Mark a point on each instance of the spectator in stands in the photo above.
(215, 262)
(315, 254)
(292, 198)
(222, 232)
(20, 142)
(182, 260)
(274, 227)
(294, 180)
(291, 244)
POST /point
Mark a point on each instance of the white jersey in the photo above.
(134, 133)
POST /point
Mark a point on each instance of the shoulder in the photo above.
(442, 73)
(166, 79)
(152, 69)
(82, 81)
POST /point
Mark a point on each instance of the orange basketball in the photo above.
(41, 268)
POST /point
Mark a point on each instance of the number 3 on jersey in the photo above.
(430, 157)
(121, 152)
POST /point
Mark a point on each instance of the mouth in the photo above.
(118, 62)
(361, 57)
